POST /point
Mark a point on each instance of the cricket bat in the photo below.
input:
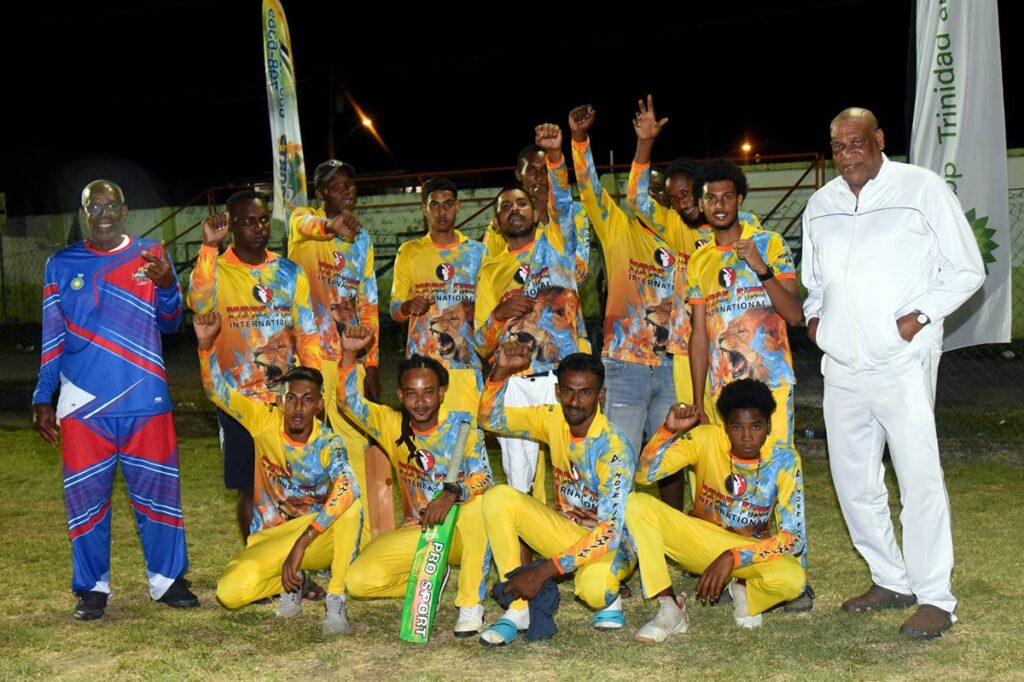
(423, 591)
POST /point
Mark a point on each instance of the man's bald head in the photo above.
(105, 186)
(855, 112)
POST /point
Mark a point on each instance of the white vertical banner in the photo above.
(286, 139)
(960, 133)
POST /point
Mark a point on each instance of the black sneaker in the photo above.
(178, 596)
(90, 605)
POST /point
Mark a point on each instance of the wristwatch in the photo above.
(455, 489)
(922, 319)
(768, 274)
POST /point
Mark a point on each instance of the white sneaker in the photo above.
(470, 621)
(740, 610)
(671, 619)
(289, 604)
(336, 621)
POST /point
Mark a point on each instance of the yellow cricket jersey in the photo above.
(421, 469)
(266, 318)
(770, 485)
(747, 339)
(339, 272)
(292, 479)
(640, 267)
(682, 239)
(543, 270)
(447, 274)
(592, 475)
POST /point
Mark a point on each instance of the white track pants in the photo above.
(863, 410)
(519, 455)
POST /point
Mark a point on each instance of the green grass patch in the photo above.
(139, 639)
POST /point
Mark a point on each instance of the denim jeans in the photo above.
(638, 396)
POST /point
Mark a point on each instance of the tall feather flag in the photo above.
(286, 139)
(960, 133)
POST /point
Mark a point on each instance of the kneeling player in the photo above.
(306, 510)
(742, 480)
(419, 439)
(592, 464)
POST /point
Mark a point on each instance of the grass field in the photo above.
(140, 639)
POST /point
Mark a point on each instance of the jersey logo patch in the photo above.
(700, 242)
(262, 293)
(727, 277)
(522, 274)
(77, 283)
(445, 272)
(664, 257)
(735, 485)
(424, 459)
(574, 471)
(339, 261)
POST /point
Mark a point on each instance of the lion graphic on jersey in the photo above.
(451, 327)
(747, 339)
(554, 312)
(658, 316)
(274, 357)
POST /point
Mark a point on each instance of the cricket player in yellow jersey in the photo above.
(532, 175)
(337, 256)
(528, 294)
(742, 289)
(268, 322)
(434, 289)
(419, 439)
(592, 464)
(680, 223)
(745, 481)
(307, 501)
(640, 267)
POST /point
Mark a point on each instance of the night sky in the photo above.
(169, 98)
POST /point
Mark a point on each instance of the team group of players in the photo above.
(695, 375)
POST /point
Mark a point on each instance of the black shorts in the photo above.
(239, 453)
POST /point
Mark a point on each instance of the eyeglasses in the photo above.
(239, 221)
(97, 209)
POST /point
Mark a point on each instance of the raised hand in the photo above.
(207, 328)
(549, 137)
(682, 417)
(646, 123)
(356, 337)
(516, 305)
(513, 357)
(215, 229)
(345, 225)
(580, 120)
(157, 270)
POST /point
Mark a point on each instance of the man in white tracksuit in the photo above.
(887, 255)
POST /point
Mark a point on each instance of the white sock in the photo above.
(615, 605)
(521, 617)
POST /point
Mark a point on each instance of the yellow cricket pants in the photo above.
(382, 569)
(658, 529)
(355, 440)
(256, 572)
(510, 515)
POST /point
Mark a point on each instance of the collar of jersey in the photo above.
(231, 257)
(442, 417)
(459, 239)
(597, 427)
(294, 443)
(746, 233)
